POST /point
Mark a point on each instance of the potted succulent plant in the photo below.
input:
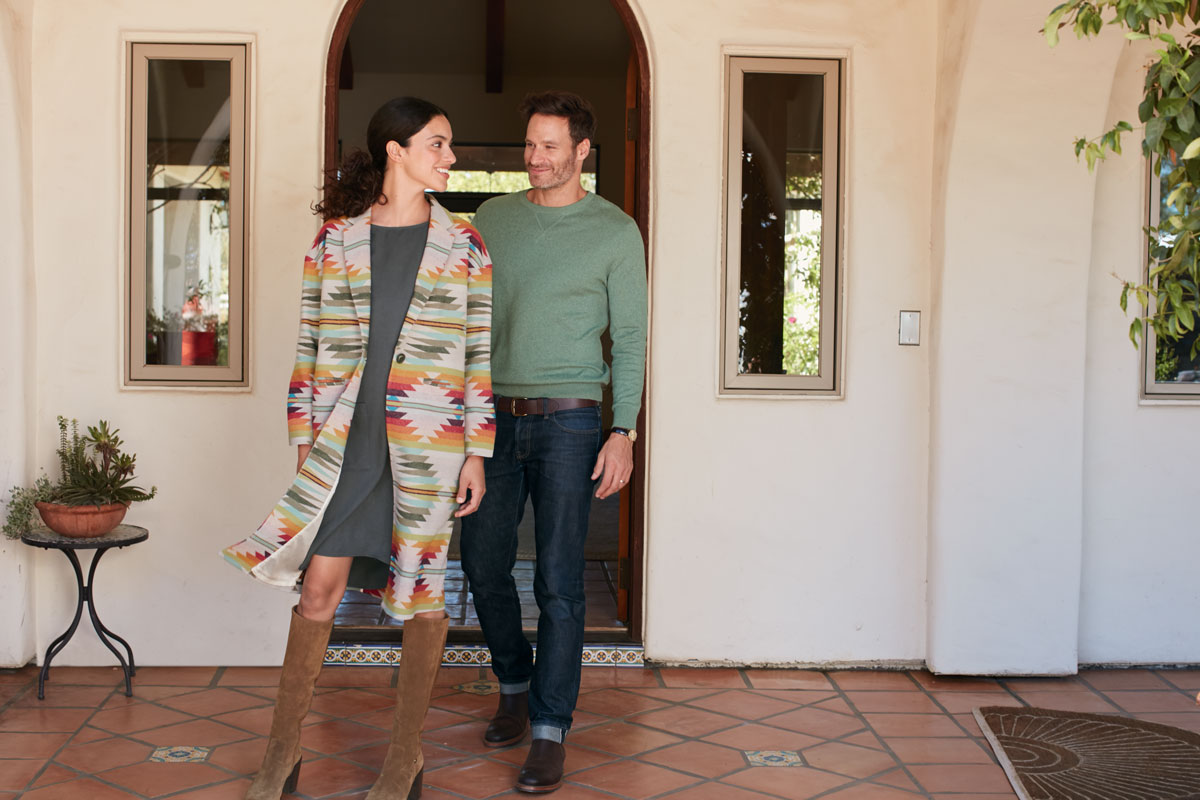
(94, 489)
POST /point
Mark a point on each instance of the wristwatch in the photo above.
(629, 433)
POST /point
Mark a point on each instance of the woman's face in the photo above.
(428, 157)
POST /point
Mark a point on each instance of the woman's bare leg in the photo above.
(323, 587)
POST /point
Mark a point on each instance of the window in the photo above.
(486, 171)
(186, 274)
(781, 226)
(1172, 371)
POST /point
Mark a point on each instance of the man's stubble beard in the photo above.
(557, 177)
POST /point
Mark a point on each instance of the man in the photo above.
(568, 266)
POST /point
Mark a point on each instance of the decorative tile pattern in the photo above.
(478, 687)
(180, 754)
(773, 758)
(473, 655)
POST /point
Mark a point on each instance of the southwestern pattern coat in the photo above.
(438, 407)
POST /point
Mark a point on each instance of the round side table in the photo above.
(120, 536)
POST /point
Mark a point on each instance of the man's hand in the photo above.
(301, 455)
(615, 464)
(470, 477)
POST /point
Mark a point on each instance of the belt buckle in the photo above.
(512, 407)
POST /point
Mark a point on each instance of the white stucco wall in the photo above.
(1140, 549)
(16, 321)
(987, 463)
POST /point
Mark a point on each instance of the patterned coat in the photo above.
(438, 407)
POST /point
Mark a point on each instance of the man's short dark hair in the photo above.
(581, 120)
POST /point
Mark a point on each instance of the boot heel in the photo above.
(415, 792)
(289, 786)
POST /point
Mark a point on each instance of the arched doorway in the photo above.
(502, 50)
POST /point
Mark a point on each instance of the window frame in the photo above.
(829, 382)
(1151, 390)
(136, 373)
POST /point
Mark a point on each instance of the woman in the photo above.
(391, 408)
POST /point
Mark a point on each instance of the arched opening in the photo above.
(499, 52)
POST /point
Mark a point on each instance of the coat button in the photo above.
(400, 358)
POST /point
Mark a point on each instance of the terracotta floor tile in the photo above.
(230, 790)
(1122, 679)
(21, 675)
(969, 724)
(67, 697)
(742, 704)
(633, 779)
(685, 721)
(897, 779)
(202, 732)
(336, 736)
(174, 676)
(1189, 721)
(476, 778)
(965, 702)
(349, 677)
(623, 739)
(156, 779)
(1158, 702)
(955, 750)
(617, 702)
(90, 676)
(16, 773)
(31, 745)
(76, 790)
(675, 695)
(868, 680)
(89, 734)
(1064, 684)
(794, 783)
(208, 702)
(865, 738)
(702, 678)
(800, 697)
(887, 701)
(43, 720)
(615, 677)
(960, 777)
(1182, 678)
(955, 683)
(467, 738)
(975, 796)
(753, 736)
(787, 679)
(889, 725)
(106, 754)
(250, 676)
(835, 704)
(325, 776)
(136, 718)
(568, 791)
(699, 758)
(1067, 701)
(244, 758)
(472, 705)
(351, 702)
(258, 720)
(434, 718)
(847, 759)
(53, 773)
(871, 792)
(717, 791)
(816, 722)
(453, 676)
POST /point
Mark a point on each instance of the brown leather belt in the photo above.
(541, 406)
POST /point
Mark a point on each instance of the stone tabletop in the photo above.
(119, 536)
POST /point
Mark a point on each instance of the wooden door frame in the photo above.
(333, 69)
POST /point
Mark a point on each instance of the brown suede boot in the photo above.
(420, 658)
(302, 660)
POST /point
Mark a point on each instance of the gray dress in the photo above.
(358, 519)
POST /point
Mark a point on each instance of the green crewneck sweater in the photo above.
(561, 275)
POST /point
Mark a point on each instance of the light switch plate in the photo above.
(910, 327)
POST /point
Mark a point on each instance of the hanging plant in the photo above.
(1169, 297)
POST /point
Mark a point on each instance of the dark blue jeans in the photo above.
(550, 459)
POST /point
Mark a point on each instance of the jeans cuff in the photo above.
(514, 688)
(551, 732)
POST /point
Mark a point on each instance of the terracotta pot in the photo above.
(82, 522)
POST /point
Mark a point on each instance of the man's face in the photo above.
(550, 157)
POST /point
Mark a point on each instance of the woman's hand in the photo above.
(470, 477)
(301, 455)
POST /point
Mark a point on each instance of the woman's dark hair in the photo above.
(352, 188)
(581, 120)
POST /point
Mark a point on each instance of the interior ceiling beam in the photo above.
(494, 64)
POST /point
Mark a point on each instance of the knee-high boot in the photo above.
(301, 663)
(420, 658)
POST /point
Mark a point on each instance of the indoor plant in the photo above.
(94, 489)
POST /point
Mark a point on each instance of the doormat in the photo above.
(1065, 755)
